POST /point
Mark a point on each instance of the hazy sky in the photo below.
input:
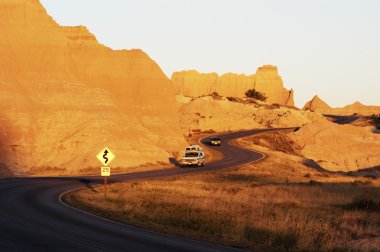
(324, 47)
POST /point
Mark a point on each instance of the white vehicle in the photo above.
(194, 156)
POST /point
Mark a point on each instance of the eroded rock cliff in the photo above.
(266, 80)
(64, 96)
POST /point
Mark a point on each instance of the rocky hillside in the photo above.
(330, 146)
(339, 147)
(266, 80)
(318, 105)
(64, 96)
(219, 114)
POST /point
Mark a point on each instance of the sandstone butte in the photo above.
(64, 97)
(318, 105)
(266, 80)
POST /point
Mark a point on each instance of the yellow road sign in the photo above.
(106, 171)
(105, 156)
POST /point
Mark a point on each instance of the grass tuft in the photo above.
(364, 203)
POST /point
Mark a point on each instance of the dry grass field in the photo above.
(277, 204)
(56, 171)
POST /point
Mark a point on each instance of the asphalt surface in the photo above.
(33, 218)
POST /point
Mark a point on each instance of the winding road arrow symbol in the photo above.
(105, 156)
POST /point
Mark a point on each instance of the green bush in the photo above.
(252, 93)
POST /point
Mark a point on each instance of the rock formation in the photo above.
(269, 82)
(318, 105)
(358, 108)
(331, 146)
(339, 147)
(211, 113)
(266, 80)
(64, 97)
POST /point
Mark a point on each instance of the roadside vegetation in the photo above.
(278, 204)
(376, 121)
(252, 93)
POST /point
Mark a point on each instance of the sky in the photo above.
(326, 47)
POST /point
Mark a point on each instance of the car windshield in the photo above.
(192, 148)
(215, 139)
(191, 154)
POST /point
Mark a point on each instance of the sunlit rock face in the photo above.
(338, 147)
(213, 113)
(266, 80)
(64, 96)
(269, 82)
(318, 105)
(359, 108)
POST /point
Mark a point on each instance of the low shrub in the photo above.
(232, 99)
(376, 120)
(252, 93)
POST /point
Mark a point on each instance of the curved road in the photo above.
(32, 217)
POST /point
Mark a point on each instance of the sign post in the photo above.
(106, 172)
(105, 187)
(105, 157)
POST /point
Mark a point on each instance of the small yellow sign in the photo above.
(106, 171)
(105, 156)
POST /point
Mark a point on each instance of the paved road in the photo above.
(32, 217)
